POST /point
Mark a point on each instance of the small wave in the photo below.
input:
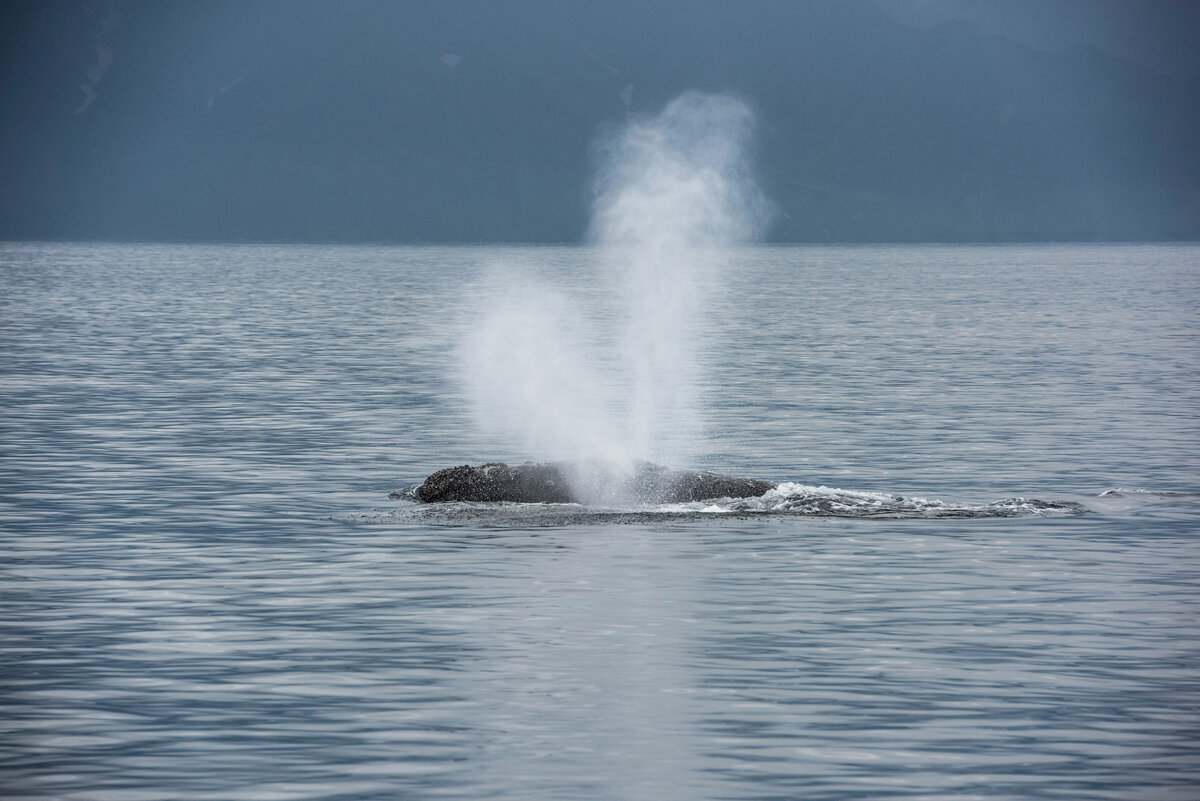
(1125, 500)
(1122, 492)
(803, 499)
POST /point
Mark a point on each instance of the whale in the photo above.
(582, 482)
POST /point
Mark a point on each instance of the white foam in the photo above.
(820, 500)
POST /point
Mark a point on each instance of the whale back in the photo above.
(582, 482)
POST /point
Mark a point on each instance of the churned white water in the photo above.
(207, 593)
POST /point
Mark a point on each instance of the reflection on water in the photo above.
(207, 594)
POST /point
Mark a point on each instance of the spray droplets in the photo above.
(673, 194)
(680, 180)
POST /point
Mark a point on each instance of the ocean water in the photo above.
(207, 594)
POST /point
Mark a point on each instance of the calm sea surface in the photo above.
(206, 593)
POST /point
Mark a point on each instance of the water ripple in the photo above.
(206, 595)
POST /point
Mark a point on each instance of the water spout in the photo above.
(673, 194)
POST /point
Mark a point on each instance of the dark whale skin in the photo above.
(556, 482)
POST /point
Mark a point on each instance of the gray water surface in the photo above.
(208, 594)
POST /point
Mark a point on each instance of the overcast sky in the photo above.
(476, 120)
(1162, 34)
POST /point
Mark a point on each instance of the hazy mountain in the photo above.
(460, 120)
